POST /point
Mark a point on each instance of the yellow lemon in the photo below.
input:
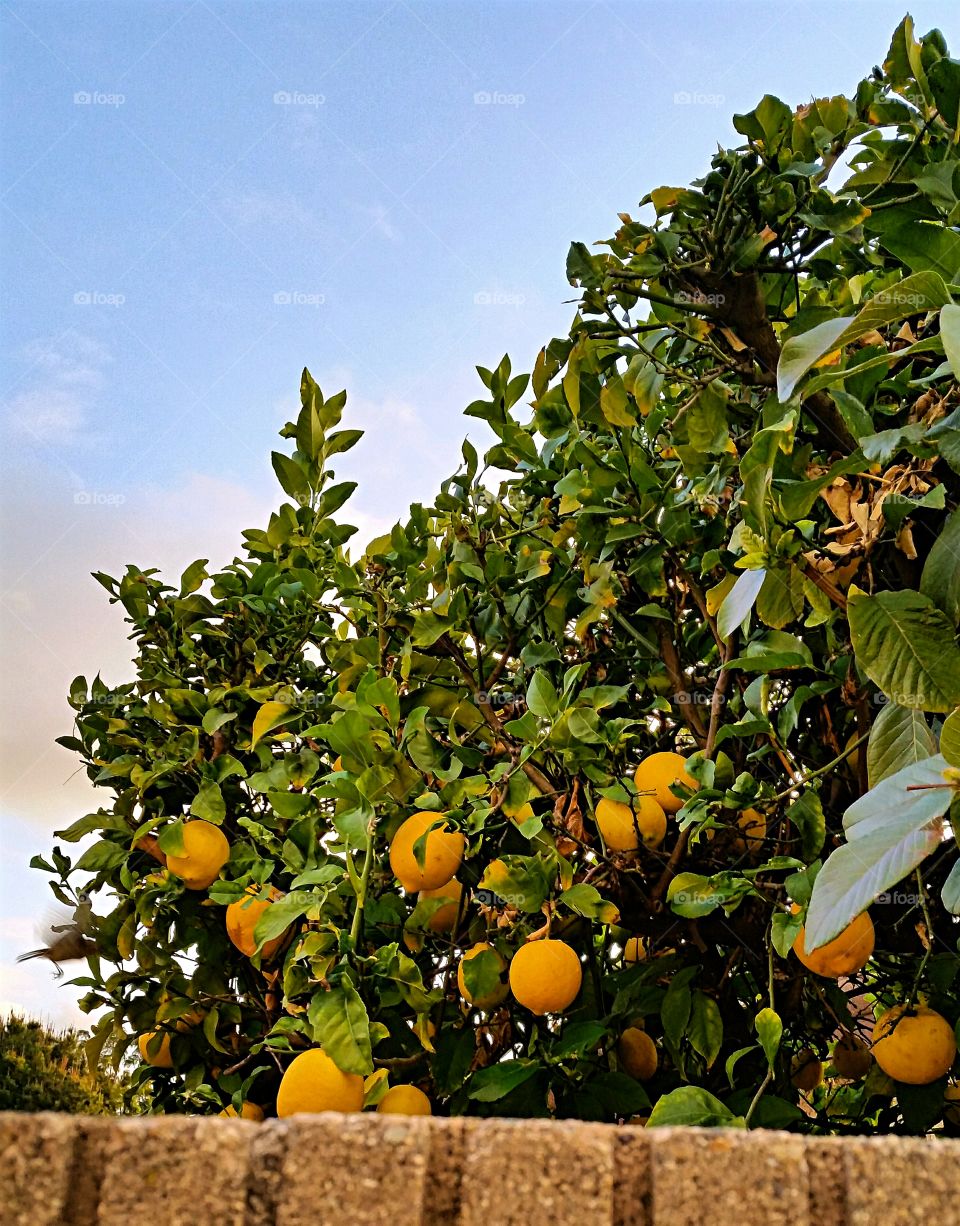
(249, 1111)
(844, 955)
(545, 976)
(242, 917)
(161, 1056)
(492, 998)
(622, 827)
(656, 773)
(637, 1053)
(753, 827)
(445, 917)
(312, 1083)
(951, 1099)
(635, 949)
(916, 1046)
(851, 1057)
(205, 852)
(404, 1100)
(443, 852)
(806, 1071)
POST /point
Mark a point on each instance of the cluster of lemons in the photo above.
(911, 1043)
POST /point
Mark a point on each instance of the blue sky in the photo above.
(201, 198)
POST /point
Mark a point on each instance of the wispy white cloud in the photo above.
(61, 376)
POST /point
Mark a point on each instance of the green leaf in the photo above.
(806, 814)
(707, 421)
(341, 1027)
(950, 335)
(739, 601)
(293, 480)
(690, 1106)
(705, 1028)
(924, 246)
(487, 1085)
(780, 600)
(208, 804)
(193, 576)
(278, 917)
(586, 900)
(542, 698)
(170, 839)
(270, 715)
(898, 738)
(102, 856)
(769, 1030)
(891, 829)
(923, 291)
(784, 929)
(482, 973)
(950, 739)
(951, 890)
(905, 646)
(940, 579)
(614, 403)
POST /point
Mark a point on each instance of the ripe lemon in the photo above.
(161, 1057)
(498, 994)
(443, 853)
(312, 1083)
(753, 827)
(656, 773)
(445, 917)
(806, 1071)
(249, 1111)
(205, 852)
(951, 1100)
(619, 824)
(404, 1100)
(545, 976)
(338, 763)
(844, 955)
(637, 1053)
(851, 1057)
(635, 949)
(914, 1047)
(242, 917)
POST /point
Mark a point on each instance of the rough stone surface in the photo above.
(174, 1171)
(518, 1172)
(902, 1182)
(441, 1194)
(365, 1170)
(36, 1154)
(372, 1170)
(632, 1177)
(736, 1177)
(827, 1180)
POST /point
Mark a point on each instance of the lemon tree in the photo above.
(523, 807)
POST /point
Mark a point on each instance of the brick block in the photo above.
(365, 1170)
(174, 1171)
(902, 1181)
(737, 1178)
(36, 1156)
(537, 1173)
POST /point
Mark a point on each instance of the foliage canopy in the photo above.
(719, 518)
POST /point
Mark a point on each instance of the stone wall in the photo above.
(370, 1170)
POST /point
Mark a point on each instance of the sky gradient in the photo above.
(200, 198)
